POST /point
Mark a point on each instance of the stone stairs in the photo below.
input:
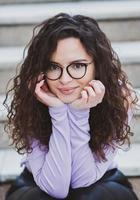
(114, 17)
(120, 20)
(4, 2)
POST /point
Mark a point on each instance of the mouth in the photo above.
(67, 91)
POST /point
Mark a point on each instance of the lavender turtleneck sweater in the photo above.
(69, 161)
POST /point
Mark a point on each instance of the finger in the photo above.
(40, 84)
(38, 87)
(100, 84)
(45, 87)
(102, 87)
(99, 92)
(91, 95)
(40, 77)
(90, 91)
(84, 96)
(98, 87)
(40, 94)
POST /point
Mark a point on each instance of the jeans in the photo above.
(112, 186)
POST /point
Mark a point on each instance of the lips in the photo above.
(67, 91)
(67, 88)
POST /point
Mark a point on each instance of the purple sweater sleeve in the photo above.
(52, 169)
(69, 159)
(86, 169)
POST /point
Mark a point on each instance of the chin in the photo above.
(68, 99)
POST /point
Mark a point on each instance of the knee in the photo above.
(16, 194)
(107, 191)
(28, 193)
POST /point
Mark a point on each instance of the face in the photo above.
(66, 88)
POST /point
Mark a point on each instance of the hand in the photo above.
(43, 95)
(90, 96)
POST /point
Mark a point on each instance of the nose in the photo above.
(65, 78)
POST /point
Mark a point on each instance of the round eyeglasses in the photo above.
(75, 70)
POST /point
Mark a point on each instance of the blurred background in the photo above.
(120, 20)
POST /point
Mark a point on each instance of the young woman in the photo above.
(70, 112)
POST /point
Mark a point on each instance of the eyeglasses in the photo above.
(75, 70)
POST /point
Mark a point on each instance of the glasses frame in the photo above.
(67, 69)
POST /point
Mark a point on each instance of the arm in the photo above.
(86, 169)
(52, 169)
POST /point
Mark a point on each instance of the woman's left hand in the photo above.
(90, 96)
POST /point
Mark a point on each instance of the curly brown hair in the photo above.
(28, 118)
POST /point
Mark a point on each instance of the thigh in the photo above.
(25, 188)
(105, 191)
(29, 193)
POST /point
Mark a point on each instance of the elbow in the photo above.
(61, 192)
(56, 188)
(60, 189)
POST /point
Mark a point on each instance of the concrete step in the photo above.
(28, 1)
(41, 1)
(9, 164)
(129, 53)
(128, 162)
(5, 142)
(113, 16)
(9, 59)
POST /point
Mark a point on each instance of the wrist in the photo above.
(58, 112)
(79, 113)
(77, 110)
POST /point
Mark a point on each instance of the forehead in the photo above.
(69, 49)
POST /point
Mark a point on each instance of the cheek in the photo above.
(85, 80)
(51, 85)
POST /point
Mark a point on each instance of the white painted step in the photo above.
(99, 9)
(128, 163)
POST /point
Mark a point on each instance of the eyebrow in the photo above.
(74, 61)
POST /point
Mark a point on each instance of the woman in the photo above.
(69, 113)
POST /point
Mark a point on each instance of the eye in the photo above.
(53, 67)
(79, 65)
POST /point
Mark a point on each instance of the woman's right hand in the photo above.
(43, 95)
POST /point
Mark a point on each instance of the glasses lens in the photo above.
(77, 70)
(53, 72)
